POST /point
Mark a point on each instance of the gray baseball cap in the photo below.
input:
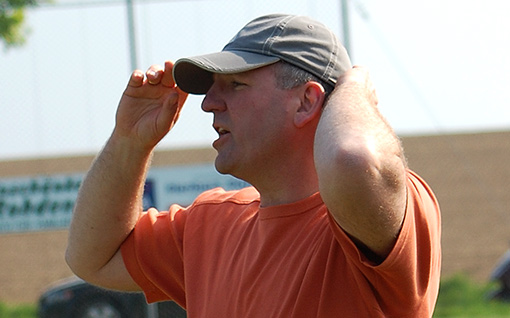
(297, 40)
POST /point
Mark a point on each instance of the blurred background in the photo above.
(440, 68)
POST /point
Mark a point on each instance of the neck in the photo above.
(286, 184)
(284, 196)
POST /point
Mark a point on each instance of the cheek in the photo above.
(266, 131)
(266, 119)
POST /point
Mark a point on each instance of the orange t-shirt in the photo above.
(225, 256)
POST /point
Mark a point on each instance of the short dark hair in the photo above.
(289, 76)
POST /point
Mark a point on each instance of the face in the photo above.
(254, 120)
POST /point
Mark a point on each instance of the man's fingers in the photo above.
(167, 79)
(154, 74)
(136, 79)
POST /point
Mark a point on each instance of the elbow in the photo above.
(77, 264)
(354, 160)
(346, 159)
(360, 163)
(72, 261)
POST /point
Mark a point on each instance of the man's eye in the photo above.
(236, 84)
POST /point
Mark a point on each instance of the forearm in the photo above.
(108, 205)
(360, 166)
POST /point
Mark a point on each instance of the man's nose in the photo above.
(213, 101)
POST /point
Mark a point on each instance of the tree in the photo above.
(11, 21)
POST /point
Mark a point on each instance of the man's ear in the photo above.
(312, 98)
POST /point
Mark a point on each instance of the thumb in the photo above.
(172, 107)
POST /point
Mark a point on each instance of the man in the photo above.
(335, 224)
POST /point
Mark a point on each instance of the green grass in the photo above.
(459, 297)
(18, 311)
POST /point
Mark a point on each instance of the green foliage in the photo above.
(11, 21)
(20, 311)
(460, 297)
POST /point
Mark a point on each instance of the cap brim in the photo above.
(195, 74)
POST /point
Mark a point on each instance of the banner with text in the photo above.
(46, 202)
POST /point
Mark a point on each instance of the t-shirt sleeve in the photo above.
(154, 251)
(153, 255)
(410, 273)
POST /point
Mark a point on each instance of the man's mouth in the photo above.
(221, 131)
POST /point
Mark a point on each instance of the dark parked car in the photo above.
(74, 298)
(501, 274)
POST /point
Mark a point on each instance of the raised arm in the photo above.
(361, 166)
(110, 199)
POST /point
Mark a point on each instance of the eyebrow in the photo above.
(232, 76)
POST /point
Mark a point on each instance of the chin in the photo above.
(227, 168)
(220, 167)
